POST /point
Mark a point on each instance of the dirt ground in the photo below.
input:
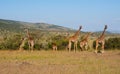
(60, 62)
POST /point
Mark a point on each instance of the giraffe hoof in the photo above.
(95, 51)
(102, 51)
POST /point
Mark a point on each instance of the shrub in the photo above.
(112, 43)
(11, 42)
(60, 41)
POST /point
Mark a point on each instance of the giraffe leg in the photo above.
(81, 46)
(20, 49)
(102, 47)
(96, 47)
(86, 47)
(69, 46)
(56, 48)
(53, 48)
(29, 45)
(75, 46)
(32, 47)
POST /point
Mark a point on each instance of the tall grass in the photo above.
(60, 62)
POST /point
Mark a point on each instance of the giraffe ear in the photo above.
(105, 26)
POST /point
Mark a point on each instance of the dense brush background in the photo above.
(12, 32)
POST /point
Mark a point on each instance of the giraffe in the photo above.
(74, 39)
(84, 42)
(22, 44)
(101, 40)
(54, 47)
(30, 40)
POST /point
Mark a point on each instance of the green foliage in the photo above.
(60, 41)
(11, 42)
(37, 46)
(44, 35)
(112, 43)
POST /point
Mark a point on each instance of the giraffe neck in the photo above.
(87, 36)
(77, 33)
(103, 33)
(28, 34)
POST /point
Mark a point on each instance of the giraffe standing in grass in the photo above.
(74, 39)
(30, 40)
(101, 40)
(84, 42)
(54, 47)
(22, 44)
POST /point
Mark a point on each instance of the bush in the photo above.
(112, 43)
(11, 42)
(60, 41)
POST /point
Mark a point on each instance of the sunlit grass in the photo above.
(72, 63)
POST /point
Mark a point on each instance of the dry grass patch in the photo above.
(60, 62)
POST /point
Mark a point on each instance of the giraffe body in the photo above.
(30, 40)
(101, 40)
(74, 39)
(84, 42)
(54, 47)
(22, 44)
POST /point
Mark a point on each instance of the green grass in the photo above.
(60, 62)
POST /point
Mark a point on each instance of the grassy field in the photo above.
(60, 62)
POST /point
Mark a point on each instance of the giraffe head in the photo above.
(105, 27)
(80, 27)
(25, 29)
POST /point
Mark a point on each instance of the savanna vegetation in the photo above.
(44, 40)
(45, 61)
(12, 33)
